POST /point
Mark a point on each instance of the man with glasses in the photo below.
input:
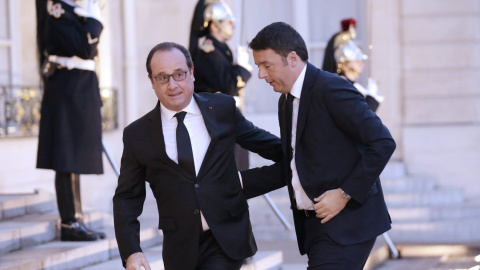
(184, 149)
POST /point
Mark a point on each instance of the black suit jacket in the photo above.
(216, 190)
(340, 142)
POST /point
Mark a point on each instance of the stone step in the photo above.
(379, 254)
(434, 257)
(16, 205)
(268, 260)
(428, 198)
(394, 169)
(38, 228)
(400, 202)
(454, 231)
(153, 254)
(399, 192)
(433, 213)
(292, 260)
(407, 184)
(73, 255)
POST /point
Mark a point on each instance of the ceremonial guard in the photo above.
(70, 136)
(344, 57)
(215, 68)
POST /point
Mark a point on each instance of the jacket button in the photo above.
(196, 212)
(196, 185)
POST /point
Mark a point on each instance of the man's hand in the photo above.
(136, 260)
(329, 204)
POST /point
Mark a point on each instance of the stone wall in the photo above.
(441, 91)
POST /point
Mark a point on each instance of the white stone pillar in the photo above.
(130, 61)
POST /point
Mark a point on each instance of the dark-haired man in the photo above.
(184, 149)
(334, 148)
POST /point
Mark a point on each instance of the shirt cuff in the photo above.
(240, 177)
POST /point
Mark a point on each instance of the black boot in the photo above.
(78, 207)
(75, 232)
(71, 229)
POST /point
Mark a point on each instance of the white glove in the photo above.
(92, 10)
(372, 90)
(242, 58)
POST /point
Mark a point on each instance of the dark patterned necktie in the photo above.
(288, 123)
(184, 146)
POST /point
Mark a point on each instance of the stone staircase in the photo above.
(421, 212)
(29, 238)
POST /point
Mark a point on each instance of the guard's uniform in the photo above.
(334, 51)
(214, 68)
(70, 126)
(70, 137)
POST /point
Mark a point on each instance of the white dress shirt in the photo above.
(303, 201)
(199, 136)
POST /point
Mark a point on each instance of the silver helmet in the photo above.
(216, 11)
(349, 51)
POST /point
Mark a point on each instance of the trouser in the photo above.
(212, 257)
(326, 254)
(67, 186)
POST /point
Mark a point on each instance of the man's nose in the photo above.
(261, 74)
(172, 84)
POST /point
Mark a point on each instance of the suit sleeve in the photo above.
(261, 180)
(258, 181)
(128, 202)
(256, 139)
(351, 113)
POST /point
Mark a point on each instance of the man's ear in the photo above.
(292, 58)
(213, 27)
(191, 70)
(151, 79)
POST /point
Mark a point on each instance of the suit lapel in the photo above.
(210, 119)
(305, 100)
(155, 132)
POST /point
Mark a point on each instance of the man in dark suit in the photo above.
(335, 148)
(184, 149)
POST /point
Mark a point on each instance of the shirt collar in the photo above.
(297, 86)
(192, 108)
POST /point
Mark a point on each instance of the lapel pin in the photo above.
(210, 108)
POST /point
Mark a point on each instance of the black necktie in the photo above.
(288, 123)
(184, 146)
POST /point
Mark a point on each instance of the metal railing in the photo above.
(20, 110)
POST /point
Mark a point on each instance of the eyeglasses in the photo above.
(177, 76)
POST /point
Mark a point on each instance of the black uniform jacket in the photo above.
(340, 142)
(70, 136)
(216, 190)
(215, 70)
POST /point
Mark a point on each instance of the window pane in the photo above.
(4, 66)
(4, 23)
(325, 17)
